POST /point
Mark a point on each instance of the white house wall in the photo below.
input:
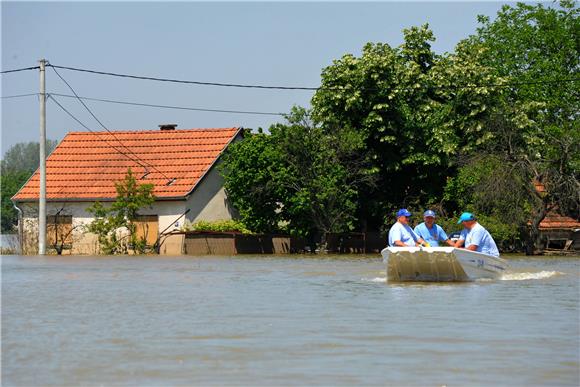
(84, 242)
(209, 200)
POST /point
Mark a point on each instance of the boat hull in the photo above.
(440, 264)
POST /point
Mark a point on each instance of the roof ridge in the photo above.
(149, 131)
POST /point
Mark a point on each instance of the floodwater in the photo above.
(283, 320)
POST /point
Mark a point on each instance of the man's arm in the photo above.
(458, 243)
(450, 242)
(421, 242)
(417, 238)
(472, 247)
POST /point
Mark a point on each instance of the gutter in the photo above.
(20, 226)
(102, 200)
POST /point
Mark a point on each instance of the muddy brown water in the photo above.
(283, 320)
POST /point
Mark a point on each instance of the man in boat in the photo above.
(431, 232)
(475, 237)
(401, 234)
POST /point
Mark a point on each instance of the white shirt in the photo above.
(403, 233)
(480, 237)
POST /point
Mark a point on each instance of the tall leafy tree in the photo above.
(250, 168)
(413, 109)
(297, 178)
(534, 128)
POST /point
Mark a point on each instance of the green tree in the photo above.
(249, 168)
(18, 164)
(413, 109)
(534, 127)
(24, 156)
(11, 183)
(111, 221)
(298, 178)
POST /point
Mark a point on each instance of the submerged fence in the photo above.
(231, 243)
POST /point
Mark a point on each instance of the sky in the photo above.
(271, 43)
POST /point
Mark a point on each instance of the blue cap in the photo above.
(465, 217)
(429, 213)
(403, 212)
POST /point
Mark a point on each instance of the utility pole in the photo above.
(42, 169)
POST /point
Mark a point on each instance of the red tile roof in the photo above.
(556, 221)
(86, 165)
(539, 186)
(553, 220)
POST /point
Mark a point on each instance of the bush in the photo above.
(217, 226)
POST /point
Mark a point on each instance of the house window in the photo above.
(59, 231)
(147, 227)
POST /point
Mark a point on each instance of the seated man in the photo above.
(475, 237)
(401, 234)
(432, 233)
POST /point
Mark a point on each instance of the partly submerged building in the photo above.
(558, 232)
(181, 165)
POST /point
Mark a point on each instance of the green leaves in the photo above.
(24, 157)
(533, 127)
(397, 125)
(18, 164)
(414, 111)
(298, 179)
(115, 225)
(217, 226)
(11, 183)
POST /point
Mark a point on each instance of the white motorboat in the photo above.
(440, 264)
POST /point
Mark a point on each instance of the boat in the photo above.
(440, 264)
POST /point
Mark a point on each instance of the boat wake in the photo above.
(523, 276)
(529, 276)
(377, 279)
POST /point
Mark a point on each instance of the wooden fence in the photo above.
(230, 243)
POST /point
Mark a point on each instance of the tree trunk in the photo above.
(534, 229)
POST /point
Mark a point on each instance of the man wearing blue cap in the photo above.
(401, 234)
(432, 233)
(475, 237)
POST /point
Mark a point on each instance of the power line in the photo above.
(92, 131)
(18, 96)
(221, 84)
(467, 86)
(107, 129)
(170, 107)
(17, 70)
(185, 81)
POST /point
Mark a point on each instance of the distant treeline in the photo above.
(16, 167)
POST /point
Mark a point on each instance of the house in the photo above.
(559, 232)
(181, 165)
